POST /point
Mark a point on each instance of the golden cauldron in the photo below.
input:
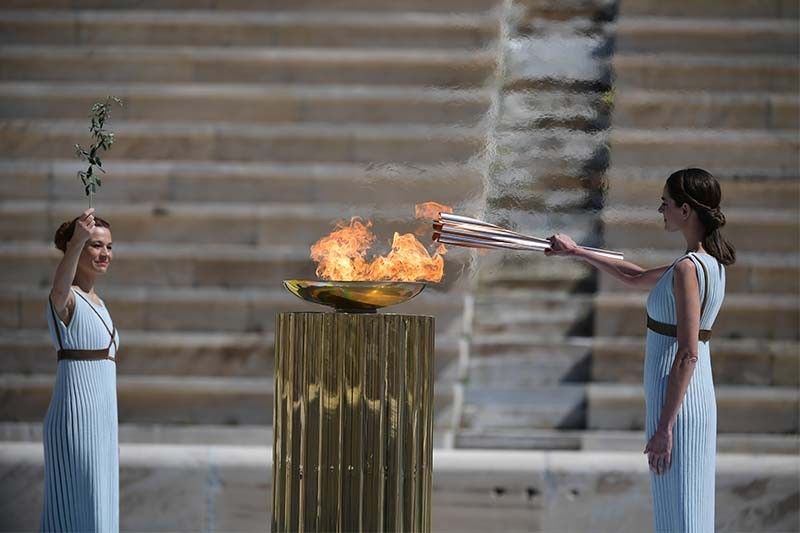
(353, 411)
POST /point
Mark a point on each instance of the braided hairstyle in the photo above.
(67, 229)
(701, 191)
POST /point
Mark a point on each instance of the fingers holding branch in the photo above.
(84, 226)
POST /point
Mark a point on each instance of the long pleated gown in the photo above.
(683, 497)
(81, 454)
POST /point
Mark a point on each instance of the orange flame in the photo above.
(341, 255)
(430, 210)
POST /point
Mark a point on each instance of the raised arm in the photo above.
(60, 295)
(687, 311)
(625, 271)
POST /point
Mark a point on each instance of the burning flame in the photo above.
(342, 255)
(430, 210)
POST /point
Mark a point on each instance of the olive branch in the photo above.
(104, 139)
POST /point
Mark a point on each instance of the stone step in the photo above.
(175, 265)
(554, 316)
(763, 316)
(153, 399)
(735, 9)
(521, 439)
(618, 441)
(387, 6)
(218, 182)
(489, 409)
(740, 409)
(361, 143)
(706, 36)
(246, 103)
(586, 110)
(236, 28)
(742, 187)
(480, 490)
(162, 400)
(735, 362)
(692, 72)
(536, 273)
(196, 487)
(242, 435)
(528, 360)
(752, 272)
(175, 353)
(209, 310)
(261, 225)
(755, 272)
(706, 110)
(751, 230)
(704, 147)
(148, 265)
(411, 67)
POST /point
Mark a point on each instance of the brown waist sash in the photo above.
(84, 355)
(671, 330)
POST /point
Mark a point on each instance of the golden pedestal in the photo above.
(353, 420)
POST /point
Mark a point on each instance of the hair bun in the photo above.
(716, 218)
(64, 234)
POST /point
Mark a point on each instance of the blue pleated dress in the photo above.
(683, 497)
(81, 452)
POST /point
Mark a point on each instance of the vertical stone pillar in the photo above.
(353, 421)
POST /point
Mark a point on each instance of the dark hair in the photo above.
(701, 190)
(65, 231)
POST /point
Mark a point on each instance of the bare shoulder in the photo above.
(685, 275)
(684, 267)
(63, 304)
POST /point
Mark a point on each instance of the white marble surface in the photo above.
(227, 488)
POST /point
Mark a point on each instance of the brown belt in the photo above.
(85, 355)
(670, 330)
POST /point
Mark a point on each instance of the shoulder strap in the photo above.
(110, 332)
(55, 323)
(705, 287)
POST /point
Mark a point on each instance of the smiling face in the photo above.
(97, 254)
(674, 216)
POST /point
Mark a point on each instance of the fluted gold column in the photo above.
(353, 421)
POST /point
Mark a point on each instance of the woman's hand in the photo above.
(659, 451)
(561, 244)
(83, 228)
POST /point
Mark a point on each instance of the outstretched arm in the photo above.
(687, 309)
(60, 295)
(625, 271)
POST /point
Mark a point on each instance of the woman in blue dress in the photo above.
(81, 455)
(685, 297)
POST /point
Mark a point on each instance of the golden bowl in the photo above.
(354, 296)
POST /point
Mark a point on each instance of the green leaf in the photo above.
(100, 111)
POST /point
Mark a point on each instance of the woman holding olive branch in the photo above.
(80, 430)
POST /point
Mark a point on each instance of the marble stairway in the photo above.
(248, 130)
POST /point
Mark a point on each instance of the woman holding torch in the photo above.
(684, 300)
(81, 456)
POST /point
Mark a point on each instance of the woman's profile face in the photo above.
(673, 215)
(97, 254)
